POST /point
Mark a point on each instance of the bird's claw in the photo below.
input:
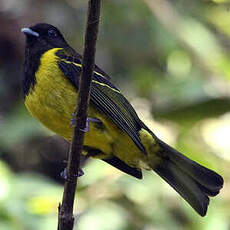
(89, 119)
(65, 177)
(73, 120)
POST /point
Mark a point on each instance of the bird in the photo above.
(115, 132)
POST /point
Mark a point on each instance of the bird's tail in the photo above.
(192, 181)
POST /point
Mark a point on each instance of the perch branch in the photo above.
(65, 210)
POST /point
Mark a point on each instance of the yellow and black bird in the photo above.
(116, 134)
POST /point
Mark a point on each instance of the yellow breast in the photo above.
(53, 99)
(49, 100)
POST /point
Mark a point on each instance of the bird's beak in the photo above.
(28, 31)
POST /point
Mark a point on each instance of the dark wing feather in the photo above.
(71, 55)
(106, 98)
(114, 105)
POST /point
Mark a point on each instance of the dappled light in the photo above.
(171, 59)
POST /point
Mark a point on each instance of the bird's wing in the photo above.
(71, 55)
(106, 98)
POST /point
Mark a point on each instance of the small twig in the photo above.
(65, 210)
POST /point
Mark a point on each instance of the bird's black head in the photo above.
(39, 39)
(43, 35)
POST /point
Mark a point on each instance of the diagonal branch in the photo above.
(65, 210)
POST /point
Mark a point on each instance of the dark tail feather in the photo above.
(191, 180)
(184, 185)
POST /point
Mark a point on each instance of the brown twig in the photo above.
(65, 210)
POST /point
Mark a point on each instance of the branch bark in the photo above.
(65, 210)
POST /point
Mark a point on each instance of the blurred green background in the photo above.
(171, 59)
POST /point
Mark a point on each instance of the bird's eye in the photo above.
(52, 33)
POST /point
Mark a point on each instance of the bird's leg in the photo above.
(89, 119)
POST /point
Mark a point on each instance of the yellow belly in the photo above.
(52, 101)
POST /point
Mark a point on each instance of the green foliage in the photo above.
(172, 61)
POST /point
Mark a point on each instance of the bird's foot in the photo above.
(73, 121)
(65, 177)
(89, 119)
